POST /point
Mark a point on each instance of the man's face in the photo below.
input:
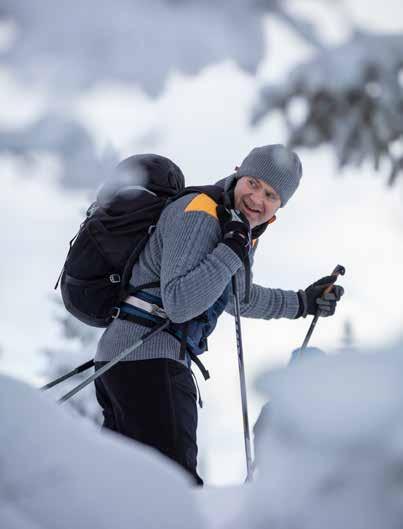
(257, 200)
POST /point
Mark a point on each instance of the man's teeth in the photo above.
(254, 210)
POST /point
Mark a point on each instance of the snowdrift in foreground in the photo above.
(59, 471)
(332, 450)
(331, 455)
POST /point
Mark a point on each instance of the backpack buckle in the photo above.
(157, 311)
(115, 313)
(114, 278)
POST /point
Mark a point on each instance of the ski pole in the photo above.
(339, 270)
(248, 453)
(117, 359)
(76, 371)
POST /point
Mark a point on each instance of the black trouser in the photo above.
(153, 402)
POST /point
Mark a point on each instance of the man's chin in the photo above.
(251, 218)
(245, 214)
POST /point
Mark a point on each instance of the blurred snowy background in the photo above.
(86, 84)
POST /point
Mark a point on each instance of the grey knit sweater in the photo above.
(185, 254)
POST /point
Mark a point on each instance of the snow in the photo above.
(79, 342)
(55, 56)
(341, 68)
(59, 471)
(346, 67)
(348, 96)
(333, 447)
(73, 46)
(48, 54)
(80, 165)
(221, 507)
(333, 457)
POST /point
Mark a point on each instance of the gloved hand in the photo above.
(311, 299)
(236, 231)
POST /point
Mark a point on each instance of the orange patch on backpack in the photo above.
(203, 203)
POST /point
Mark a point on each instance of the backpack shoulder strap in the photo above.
(208, 197)
(215, 192)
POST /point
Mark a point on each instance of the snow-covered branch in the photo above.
(67, 140)
(63, 51)
(350, 97)
(71, 47)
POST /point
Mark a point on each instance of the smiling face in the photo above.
(256, 199)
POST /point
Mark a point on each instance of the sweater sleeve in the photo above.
(265, 303)
(195, 266)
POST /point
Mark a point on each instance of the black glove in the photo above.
(236, 231)
(311, 300)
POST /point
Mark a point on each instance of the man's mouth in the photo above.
(250, 209)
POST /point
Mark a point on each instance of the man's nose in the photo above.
(259, 198)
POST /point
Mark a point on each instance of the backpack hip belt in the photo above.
(147, 314)
(151, 308)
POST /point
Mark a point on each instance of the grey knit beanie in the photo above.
(277, 166)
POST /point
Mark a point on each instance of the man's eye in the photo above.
(252, 183)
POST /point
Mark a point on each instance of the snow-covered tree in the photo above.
(349, 97)
(64, 53)
(73, 47)
(69, 142)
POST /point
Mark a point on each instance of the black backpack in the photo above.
(95, 277)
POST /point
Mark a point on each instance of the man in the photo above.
(186, 268)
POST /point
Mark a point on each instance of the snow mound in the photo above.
(59, 471)
(333, 446)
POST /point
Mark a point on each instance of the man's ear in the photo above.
(272, 219)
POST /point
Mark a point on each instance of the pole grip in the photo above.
(338, 271)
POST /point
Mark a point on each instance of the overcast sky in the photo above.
(201, 122)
